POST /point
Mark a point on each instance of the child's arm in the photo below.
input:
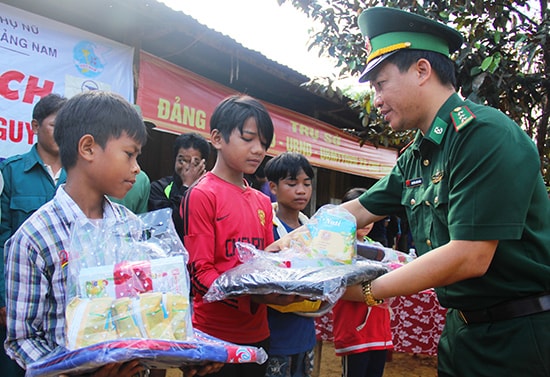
(29, 300)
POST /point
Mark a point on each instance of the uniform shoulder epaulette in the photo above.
(461, 117)
(405, 147)
(10, 159)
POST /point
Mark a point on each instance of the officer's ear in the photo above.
(423, 70)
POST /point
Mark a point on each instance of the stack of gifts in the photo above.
(128, 298)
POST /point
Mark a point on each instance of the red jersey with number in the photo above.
(216, 215)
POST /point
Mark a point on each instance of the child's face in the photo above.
(117, 165)
(44, 134)
(293, 193)
(362, 232)
(185, 157)
(244, 152)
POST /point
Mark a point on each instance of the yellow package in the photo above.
(155, 316)
(89, 321)
(126, 323)
(163, 315)
(178, 307)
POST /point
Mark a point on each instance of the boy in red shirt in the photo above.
(221, 209)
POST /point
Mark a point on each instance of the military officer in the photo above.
(471, 188)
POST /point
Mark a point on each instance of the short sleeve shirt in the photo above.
(474, 176)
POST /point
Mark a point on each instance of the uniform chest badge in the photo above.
(415, 182)
(437, 177)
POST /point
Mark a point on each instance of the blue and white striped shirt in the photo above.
(36, 274)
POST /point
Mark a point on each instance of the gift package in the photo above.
(329, 234)
(127, 280)
(128, 298)
(319, 263)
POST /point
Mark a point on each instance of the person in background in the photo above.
(262, 182)
(471, 187)
(379, 232)
(1, 189)
(291, 351)
(362, 333)
(221, 209)
(191, 152)
(30, 180)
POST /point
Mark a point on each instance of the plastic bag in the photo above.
(152, 354)
(319, 262)
(291, 272)
(391, 258)
(329, 234)
(127, 280)
(128, 298)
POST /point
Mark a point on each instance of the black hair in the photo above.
(353, 193)
(443, 66)
(234, 111)
(287, 164)
(47, 106)
(192, 140)
(104, 115)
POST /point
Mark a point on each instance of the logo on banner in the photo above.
(87, 59)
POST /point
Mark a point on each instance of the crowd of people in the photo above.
(485, 251)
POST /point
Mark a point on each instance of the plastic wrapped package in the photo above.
(291, 272)
(126, 280)
(128, 298)
(389, 257)
(318, 263)
(329, 234)
(152, 353)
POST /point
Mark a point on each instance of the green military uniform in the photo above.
(475, 175)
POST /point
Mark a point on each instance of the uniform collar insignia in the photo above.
(437, 131)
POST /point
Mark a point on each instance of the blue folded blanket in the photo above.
(153, 353)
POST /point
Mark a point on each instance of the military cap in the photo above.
(388, 30)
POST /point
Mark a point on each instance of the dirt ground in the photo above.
(401, 364)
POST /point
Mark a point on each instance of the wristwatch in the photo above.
(370, 300)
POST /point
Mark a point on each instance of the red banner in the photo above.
(179, 101)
